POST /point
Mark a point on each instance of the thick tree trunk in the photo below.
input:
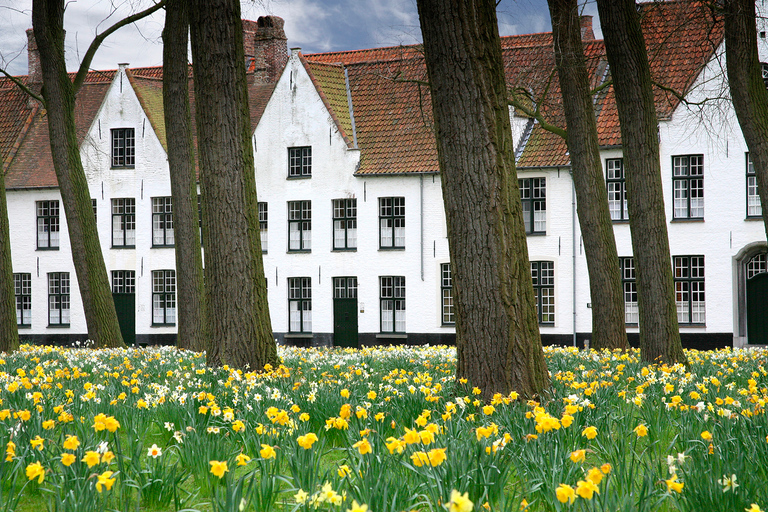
(497, 335)
(9, 330)
(607, 297)
(234, 270)
(748, 90)
(628, 60)
(58, 92)
(193, 331)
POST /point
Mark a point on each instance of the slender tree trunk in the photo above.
(748, 90)
(59, 95)
(234, 270)
(628, 59)
(9, 330)
(607, 297)
(193, 332)
(497, 335)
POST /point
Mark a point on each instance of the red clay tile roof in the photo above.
(331, 85)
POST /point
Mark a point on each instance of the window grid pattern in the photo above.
(124, 222)
(345, 223)
(617, 189)
(48, 224)
(123, 147)
(58, 298)
(299, 304)
(163, 297)
(392, 302)
(162, 222)
(299, 225)
(344, 287)
(123, 281)
(688, 186)
(263, 225)
(446, 295)
(95, 210)
(300, 162)
(533, 194)
(754, 206)
(22, 284)
(543, 276)
(629, 287)
(757, 265)
(689, 289)
(392, 222)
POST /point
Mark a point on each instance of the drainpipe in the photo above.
(573, 235)
(421, 223)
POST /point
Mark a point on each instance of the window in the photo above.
(299, 225)
(95, 210)
(123, 147)
(299, 304)
(200, 217)
(764, 70)
(629, 286)
(300, 162)
(617, 191)
(124, 222)
(47, 224)
(58, 298)
(345, 223)
(392, 222)
(689, 289)
(123, 281)
(163, 297)
(392, 299)
(688, 186)
(754, 207)
(344, 287)
(263, 220)
(757, 265)
(533, 194)
(543, 275)
(162, 222)
(446, 292)
(23, 289)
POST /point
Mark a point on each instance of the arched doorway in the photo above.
(756, 274)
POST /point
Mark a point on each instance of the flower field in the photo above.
(379, 430)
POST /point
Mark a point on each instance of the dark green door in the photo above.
(125, 305)
(757, 309)
(345, 323)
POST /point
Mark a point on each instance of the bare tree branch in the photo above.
(23, 87)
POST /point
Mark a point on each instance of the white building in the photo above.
(353, 229)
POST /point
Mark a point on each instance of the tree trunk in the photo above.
(748, 90)
(497, 336)
(234, 270)
(628, 60)
(59, 95)
(607, 296)
(193, 332)
(9, 330)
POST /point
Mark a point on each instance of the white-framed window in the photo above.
(392, 303)
(48, 225)
(617, 188)
(163, 297)
(263, 225)
(392, 222)
(123, 281)
(58, 299)
(688, 186)
(446, 295)
(689, 289)
(162, 222)
(124, 222)
(345, 224)
(299, 225)
(754, 206)
(299, 304)
(123, 147)
(629, 287)
(300, 162)
(533, 194)
(543, 276)
(22, 284)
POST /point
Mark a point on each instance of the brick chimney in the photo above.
(585, 22)
(33, 58)
(266, 47)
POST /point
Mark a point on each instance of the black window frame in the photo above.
(22, 288)
(165, 295)
(447, 305)
(264, 226)
(688, 179)
(59, 289)
(392, 292)
(688, 272)
(345, 287)
(391, 218)
(300, 295)
(300, 216)
(533, 195)
(300, 162)
(539, 286)
(752, 177)
(48, 221)
(123, 144)
(345, 221)
(162, 217)
(629, 287)
(126, 219)
(615, 178)
(123, 281)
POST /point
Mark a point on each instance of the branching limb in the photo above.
(514, 100)
(23, 87)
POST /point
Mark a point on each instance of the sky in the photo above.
(312, 25)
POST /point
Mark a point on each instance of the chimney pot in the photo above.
(266, 47)
(585, 22)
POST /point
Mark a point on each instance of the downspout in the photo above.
(573, 236)
(421, 223)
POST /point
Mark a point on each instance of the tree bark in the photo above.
(497, 336)
(193, 331)
(59, 95)
(9, 330)
(748, 90)
(628, 60)
(607, 296)
(234, 270)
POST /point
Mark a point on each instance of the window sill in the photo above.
(299, 335)
(58, 326)
(24, 326)
(692, 219)
(344, 249)
(302, 177)
(116, 167)
(170, 246)
(391, 336)
(162, 325)
(753, 217)
(452, 326)
(391, 248)
(700, 326)
(47, 248)
(537, 233)
(298, 251)
(620, 221)
(123, 247)
(547, 324)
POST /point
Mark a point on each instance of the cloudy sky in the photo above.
(312, 25)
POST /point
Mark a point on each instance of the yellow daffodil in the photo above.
(706, 435)
(91, 458)
(68, 459)
(565, 493)
(71, 443)
(459, 502)
(267, 452)
(641, 430)
(36, 470)
(363, 446)
(595, 475)
(344, 471)
(242, 459)
(356, 507)
(589, 432)
(578, 456)
(218, 468)
(754, 508)
(674, 485)
(436, 456)
(306, 441)
(105, 480)
(586, 489)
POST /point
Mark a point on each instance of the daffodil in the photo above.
(267, 452)
(356, 507)
(459, 502)
(71, 443)
(154, 451)
(218, 468)
(242, 459)
(36, 470)
(641, 430)
(105, 480)
(306, 441)
(728, 483)
(674, 485)
(91, 458)
(363, 446)
(589, 432)
(578, 456)
(586, 489)
(565, 493)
